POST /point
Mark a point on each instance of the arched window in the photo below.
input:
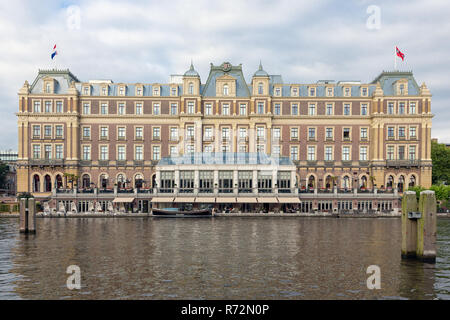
(58, 181)
(346, 182)
(121, 181)
(154, 181)
(103, 181)
(311, 182)
(191, 88)
(86, 181)
(47, 183)
(36, 183)
(412, 181)
(390, 182)
(363, 182)
(328, 182)
(225, 89)
(260, 88)
(138, 181)
(401, 183)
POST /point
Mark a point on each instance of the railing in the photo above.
(46, 162)
(125, 191)
(402, 163)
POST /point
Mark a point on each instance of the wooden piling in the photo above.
(426, 227)
(23, 226)
(409, 226)
(31, 215)
(27, 217)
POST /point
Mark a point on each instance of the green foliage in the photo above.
(4, 207)
(417, 190)
(442, 192)
(440, 155)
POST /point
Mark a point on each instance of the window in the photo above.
(86, 108)
(121, 91)
(191, 88)
(277, 92)
(173, 109)
(104, 91)
(86, 152)
(156, 133)
(207, 133)
(104, 108)
(329, 92)
(48, 106)
(36, 151)
(294, 133)
(294, 109)
(48, 88)
(328, 133)
(225, 90)
(59, 131)
(86, 132)
(48, 151)
(121, 108)
(260, 132)
(401, 132)
(346, 109)
(225, 109)
(260, 107)
(36, 131)
(86, 90)
(103, 132)
(364, 92)
(121, 153)
(412, 152)
(390, 132)
(174, 133)
(190, 132)
(173, 150)
(139, 133)
(401, 108)
(311, 153)
(402, 89)
(208, 109)
(345, 153)
(243, 148)
(260, 88)
(329, 109)
(260, 148)
(47, 131)
(328, 153)
(121, 133)
(276, 133)
(156, 91)
(312, 92)
(174, 91)
(295, 92)
(347, 92)
(401, 152)
(363, 134)
(138, 153)
(312, 109)
(390, 108)
(364, 109)
(156, 109)
(412, 108)
(242, 133)
(225, 133)
(37, 106)
(139, 108)
(276, 150)
(412, 132)
(294, 153)
(190, 107)
(390, 153)
(346, 133)
(312, 133)
(363, 153)
(190, 148)
(277, 109)
(243, 109)
(208, 148)
(139, 91)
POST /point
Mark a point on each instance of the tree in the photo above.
(4, 169)
(440, 155)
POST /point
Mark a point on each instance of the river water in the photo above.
(217, 258)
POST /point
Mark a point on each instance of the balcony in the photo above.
(103, 163)
(46, 162)
(121, 163)
(138, 162)
(402, 163)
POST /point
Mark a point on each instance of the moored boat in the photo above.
(176, 212)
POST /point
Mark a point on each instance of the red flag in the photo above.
(399, 53)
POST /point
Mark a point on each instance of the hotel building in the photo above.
(327, 145)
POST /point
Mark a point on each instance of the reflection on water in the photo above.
(218, 258)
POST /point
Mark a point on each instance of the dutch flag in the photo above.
(54, 53)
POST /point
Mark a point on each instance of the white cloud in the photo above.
(147, 41)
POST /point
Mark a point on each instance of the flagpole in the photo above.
(395, 58)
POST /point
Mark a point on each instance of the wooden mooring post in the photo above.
(27, 219)
(419, 226)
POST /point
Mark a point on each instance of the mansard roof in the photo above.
(209, 89)
(63, 79)
(387, 81)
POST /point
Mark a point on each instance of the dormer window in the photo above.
(174, 91)
(329, 92)
(191, 88)
(347, 92)
(278, 92)
(86, 91)
(295, 92)
(121, 91)
(104, 91)
(156, 91)
(402, 89)
(139, 91)
(260, 88)
(364, 92)
(312, 92)
(48, 88)
(225, 89)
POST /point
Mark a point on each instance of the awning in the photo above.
(288, 200)
(205, 200)
(226, 200)
(162, 199)
(123, 200)
(184, 199)
(267, 200)
(246, 200)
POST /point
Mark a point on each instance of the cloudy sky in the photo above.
(146, 41)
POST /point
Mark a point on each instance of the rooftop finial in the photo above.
(260, 65)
